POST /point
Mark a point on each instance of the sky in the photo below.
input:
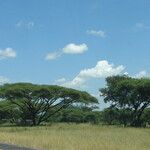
(74, 43)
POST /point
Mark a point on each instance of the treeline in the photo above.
(109, 116)
(72, 114)
(30, 104)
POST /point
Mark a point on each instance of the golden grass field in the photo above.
(77, 137)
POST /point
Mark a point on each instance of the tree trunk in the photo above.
(34, 122)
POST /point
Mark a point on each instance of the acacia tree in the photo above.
(8, 112)
(35, 102)
(128, 93)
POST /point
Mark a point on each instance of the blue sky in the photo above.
(73, 43)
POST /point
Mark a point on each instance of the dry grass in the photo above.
(77, 137)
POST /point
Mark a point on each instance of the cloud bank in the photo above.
(102, 69)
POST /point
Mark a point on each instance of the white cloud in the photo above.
(77, 82)
(52, 56)
(7, 53)
(23, 24)
(60, 81)
(141, 74)
(102, 70)
(99, 33)
(68, 49)
(126, 73)
(74, 48)
(3, 80)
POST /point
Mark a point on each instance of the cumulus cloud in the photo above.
(68, 49)
(141, 74)
(102, 69)
(75, 49)
(7, 53)
(77, 82)
(99, 33)
(3, 80)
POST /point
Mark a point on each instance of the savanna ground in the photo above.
(77, 137)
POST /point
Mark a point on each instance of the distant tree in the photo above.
(35, 102)
(92, 117)
(78, 115)
(72, 115)
(124, 116)
(126, 92)
(110, 116)
(113, 116)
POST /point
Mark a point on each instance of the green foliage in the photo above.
(113, 116)
(31, 104)
(8, 112)
(110, 116)
(77, 114)
(36, 101)
(146, 117)
(128, 93)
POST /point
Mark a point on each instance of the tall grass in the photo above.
(77, 137)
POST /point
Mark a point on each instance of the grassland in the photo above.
(77, 137)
